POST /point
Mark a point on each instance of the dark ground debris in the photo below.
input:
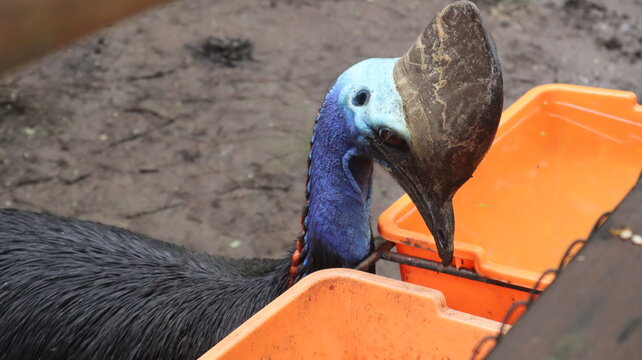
(225, 51)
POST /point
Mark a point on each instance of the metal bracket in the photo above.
(384, 252)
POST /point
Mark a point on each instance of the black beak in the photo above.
(436, 210)
(440, 218)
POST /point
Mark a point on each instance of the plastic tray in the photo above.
(348, 314)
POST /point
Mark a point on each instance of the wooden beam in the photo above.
(30, 29)
(594, 308)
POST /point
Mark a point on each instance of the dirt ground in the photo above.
(161, 125)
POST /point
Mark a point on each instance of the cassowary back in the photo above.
(83, 290)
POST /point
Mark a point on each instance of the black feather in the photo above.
(72, 289)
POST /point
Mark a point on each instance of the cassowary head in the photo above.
(430, 116)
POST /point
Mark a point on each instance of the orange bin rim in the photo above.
(349, 314)
(550, 118)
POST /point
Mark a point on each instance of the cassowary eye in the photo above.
(391, 138)
(361, 98)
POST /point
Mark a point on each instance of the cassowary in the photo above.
(72, 289)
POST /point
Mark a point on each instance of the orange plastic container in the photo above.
(348, 314)
(562, 157)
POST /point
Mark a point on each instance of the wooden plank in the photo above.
(594, 308)
(30, 29)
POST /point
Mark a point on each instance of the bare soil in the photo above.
(191, 122)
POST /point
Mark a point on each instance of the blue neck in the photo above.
(337, 225)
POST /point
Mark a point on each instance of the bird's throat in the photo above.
(336, 220)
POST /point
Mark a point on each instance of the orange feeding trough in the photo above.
(562, 157)
(349, 314)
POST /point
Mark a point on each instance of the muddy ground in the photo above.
(163, 125)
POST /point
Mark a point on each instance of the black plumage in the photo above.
(83, 290)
